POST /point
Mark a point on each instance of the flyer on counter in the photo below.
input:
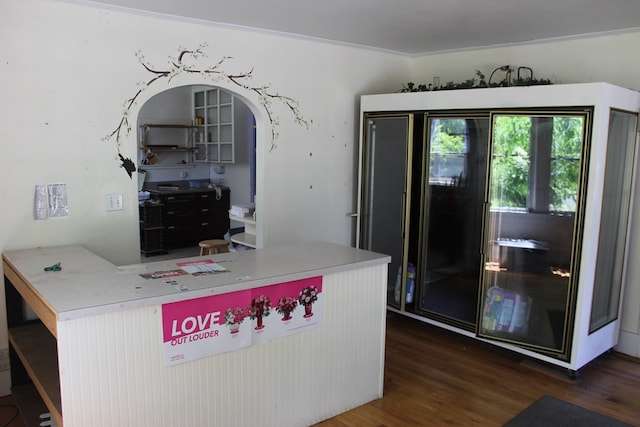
(163, 274)
(199, 267)
(195, 268)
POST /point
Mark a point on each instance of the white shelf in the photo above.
(173, 144)
(244, 239)
(245, 219)
(248, 238)
(168, 166)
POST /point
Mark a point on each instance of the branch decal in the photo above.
(186, 63)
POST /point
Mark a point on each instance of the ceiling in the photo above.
(411, 27)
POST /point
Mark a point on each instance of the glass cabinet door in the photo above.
(533, 220)
(384, 199)
(453, 200)
(616, 202)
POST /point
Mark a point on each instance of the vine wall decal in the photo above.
(185, 63)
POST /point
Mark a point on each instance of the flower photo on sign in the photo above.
(285, 306)
(233, 317)
(308, 295)
(260, 307)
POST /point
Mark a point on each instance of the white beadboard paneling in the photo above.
(113, 373)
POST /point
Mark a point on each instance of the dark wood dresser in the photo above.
(186, 216)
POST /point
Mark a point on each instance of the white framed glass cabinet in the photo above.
(213, 118)
(505, 211)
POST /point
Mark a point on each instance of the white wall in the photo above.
(68, 70)
(608, 58)
(237, 175)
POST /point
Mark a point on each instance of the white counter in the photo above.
(109, 342)
(89, 285)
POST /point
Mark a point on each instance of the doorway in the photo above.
(175, 148)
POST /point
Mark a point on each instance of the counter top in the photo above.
(89, 285)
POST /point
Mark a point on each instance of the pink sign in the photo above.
(204, 326)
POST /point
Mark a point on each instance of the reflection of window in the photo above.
(448, 151)
(511, 163)
(615, 216)
(565, 163)
(536, 162)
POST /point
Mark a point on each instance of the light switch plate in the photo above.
(114, 202)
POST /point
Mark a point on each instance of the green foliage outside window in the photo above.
(512, 163)
(565, 162)
(448, 148)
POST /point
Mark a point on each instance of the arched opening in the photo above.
(194, 138)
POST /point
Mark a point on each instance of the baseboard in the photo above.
(629, 344)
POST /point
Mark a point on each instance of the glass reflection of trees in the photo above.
(545, 147)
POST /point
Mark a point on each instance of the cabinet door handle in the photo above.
(205, 210)
(403, 209)
(484, 247)
(204, 224)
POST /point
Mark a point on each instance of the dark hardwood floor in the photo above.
(9, 415)
(434, 377)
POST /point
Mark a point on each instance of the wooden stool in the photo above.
(215, 246)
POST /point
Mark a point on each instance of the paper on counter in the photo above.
(203, 268)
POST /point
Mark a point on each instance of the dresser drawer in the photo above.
(178, 208)
(193, 216)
